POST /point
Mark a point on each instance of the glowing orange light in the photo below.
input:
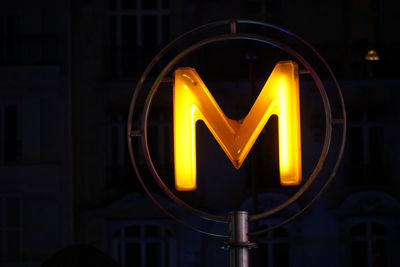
(193, 101)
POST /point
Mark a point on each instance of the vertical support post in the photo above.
(238, 240)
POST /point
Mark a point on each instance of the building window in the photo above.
(9, 32)
(144, 245)
(10, 134)
(19, 131)
(10, 227)
(363, 29)
(368, 244)
(18, 47)
(272, 250)
(137, 29)
(365, 149)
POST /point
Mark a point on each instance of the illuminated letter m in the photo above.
(193, 102)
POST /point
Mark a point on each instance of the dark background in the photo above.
(68, 70)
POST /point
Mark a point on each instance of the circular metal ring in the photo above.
(223, 37)
(153, 91)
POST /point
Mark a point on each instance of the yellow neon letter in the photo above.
(193, 101)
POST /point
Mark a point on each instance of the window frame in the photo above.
(3, 156)
(360, 172)
(167, 241)
(368, 238)
(4, 228)
(118, 12)
(270, 241)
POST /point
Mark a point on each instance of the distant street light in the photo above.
(372, 55)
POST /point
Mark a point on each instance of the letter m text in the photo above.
(193, 102)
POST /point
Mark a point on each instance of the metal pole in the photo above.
(238, 240)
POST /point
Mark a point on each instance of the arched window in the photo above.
(144, 245)
(368, 244)
(272, 249)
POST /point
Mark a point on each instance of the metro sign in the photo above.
(193, 102)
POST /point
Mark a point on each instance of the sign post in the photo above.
(238, 240)
(280, 96)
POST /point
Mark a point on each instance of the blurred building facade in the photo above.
(67, 72)
(36, 138)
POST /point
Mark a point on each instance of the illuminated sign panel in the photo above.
(193, 102)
